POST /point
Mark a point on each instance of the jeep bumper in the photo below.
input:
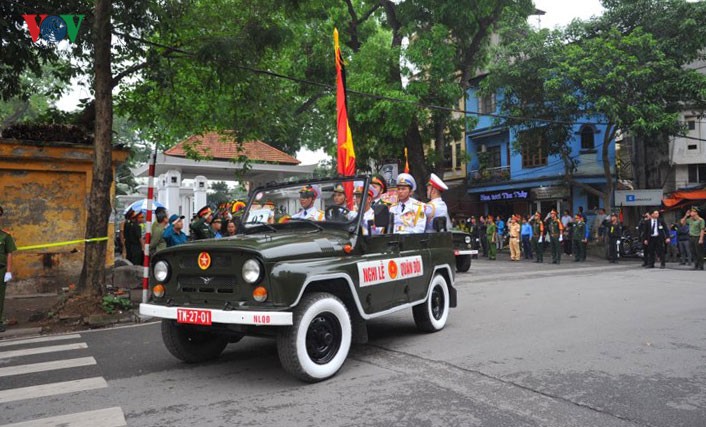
(231, 317)
(465, 252)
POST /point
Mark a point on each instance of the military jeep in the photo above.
(310, 284)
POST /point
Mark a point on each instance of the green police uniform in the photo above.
(201, 230)
(579, 247)
(537, 246)
(490, 232)
(554, 231)
(7, 246)
(696, 227)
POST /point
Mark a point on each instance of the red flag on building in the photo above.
(346, 154)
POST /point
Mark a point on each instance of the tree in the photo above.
(417, 51)
(627, 78)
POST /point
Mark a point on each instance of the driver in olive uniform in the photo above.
(409, 213)
(307, 196)
(339, 210)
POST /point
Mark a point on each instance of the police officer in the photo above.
(201, 226)
(554, 231)
(436, 207)
(7, 247)
(491, 234)
(696, 236)
(614, 231)
(307, 196)
(538, 237)
(409, 212)
(579, 239)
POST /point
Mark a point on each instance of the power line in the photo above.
(332, 88)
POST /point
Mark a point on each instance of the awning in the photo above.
(684, 196)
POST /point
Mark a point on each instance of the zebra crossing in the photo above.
(25, 365)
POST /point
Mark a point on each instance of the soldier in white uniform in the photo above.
(409, 213)
(307, 196)
(436, 207)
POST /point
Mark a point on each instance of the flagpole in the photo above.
(148, 232)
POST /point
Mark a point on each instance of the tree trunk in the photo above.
(92, 279)
(415, 151)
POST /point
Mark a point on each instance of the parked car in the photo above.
(310, 284)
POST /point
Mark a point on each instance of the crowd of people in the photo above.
(529, 237)
(409, 214)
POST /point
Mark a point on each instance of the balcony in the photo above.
(487, 176)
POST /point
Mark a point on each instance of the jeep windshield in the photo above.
(314, 205)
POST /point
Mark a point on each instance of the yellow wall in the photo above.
(44, 190)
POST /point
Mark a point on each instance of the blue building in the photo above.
(503, 181)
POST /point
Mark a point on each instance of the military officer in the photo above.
(491, 233)
(379, 183)
(436, 207)
(7, 247)
(201, 226)
(538, 237)
(579, 239)
(554, 231)
(409, 213)
(307, 196)
(369, 213)
(338, 211)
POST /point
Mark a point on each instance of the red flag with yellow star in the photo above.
(346, 154)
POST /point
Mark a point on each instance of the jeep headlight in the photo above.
(161, 271)
(467, 239)
(251, 271)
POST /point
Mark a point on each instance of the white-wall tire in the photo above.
(432, 314)
(315, 347)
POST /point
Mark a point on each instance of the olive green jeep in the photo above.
(311, 280)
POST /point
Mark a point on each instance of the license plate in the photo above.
(193, 317)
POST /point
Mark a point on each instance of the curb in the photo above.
(19, 332)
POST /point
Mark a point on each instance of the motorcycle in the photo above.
(630, 245)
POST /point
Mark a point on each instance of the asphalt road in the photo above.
(529, 345)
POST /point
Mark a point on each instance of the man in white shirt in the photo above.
(436, 207)
(307, 196)
(409, 212)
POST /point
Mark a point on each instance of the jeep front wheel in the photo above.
(316, 345)
(431, 315)
(189, 345)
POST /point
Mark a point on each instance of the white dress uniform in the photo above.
(434, 209)
(312, 214)
(409, 217)
(369, 215)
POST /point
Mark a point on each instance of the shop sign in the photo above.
(504, 195)
(638, 197)
(547, 193)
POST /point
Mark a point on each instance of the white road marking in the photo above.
(51, 389)
(42, 350)
(46, 366)
(110, 417)
(36, 340)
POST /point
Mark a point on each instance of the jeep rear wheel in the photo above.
(316, 345)
(463, 263)
(431, 315)
(189, 345)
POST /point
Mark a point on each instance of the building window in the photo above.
(534, 150)
(693, 147)
(588, 138)
(691, 124)
(697, 173)
(486, 104)
(494, 159)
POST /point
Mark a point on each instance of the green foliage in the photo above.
(111, 303)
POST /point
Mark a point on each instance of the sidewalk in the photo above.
(27, 315)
